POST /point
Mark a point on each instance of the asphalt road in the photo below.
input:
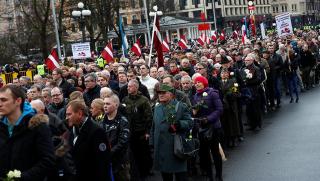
(286, 149)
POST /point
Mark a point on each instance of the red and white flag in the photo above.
(158, 42)
(203, 39)
(244, 34)
(165, 46)
(107, 53)
(136, 48)
(183, 42)
(214, 36)
(222, 36)
(52, 61)
(235, 34)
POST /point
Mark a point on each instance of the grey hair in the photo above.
(186, 78)
(91, 75)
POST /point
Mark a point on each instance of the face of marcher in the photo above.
(271, 49)
(73, 118)
(200, 69)
(95, 111)
(186, 84)
(165, 97)
(168, 82)
(90, 83)
(109, 105)
(55, 76)
(131, 76)
(8, 105)
(122, 78)
(248, 61)
(153, 72)
(102, 82)
(224, 75)
(57, 96)
(46, 98)
(132, 88)
(199, 85)
(34, 93)
(173, 67)
(143, 70)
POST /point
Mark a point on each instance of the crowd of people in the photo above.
(117, 122)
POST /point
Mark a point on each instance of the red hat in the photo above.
(202, 79)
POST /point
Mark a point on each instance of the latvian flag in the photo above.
(107, 53)
(165, 46)
(214, 36)
(235, 34)
(222, 36)
(136, 48)
(52, 61)
(183, 42)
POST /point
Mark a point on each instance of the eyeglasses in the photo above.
(198, 68)
(55, 95)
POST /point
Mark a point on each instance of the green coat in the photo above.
(162, 140)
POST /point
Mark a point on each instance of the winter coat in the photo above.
(91, 152)
(29, 150)
(90, 94)
(139, 113)
(67, 88)
(214, 107)
(162, 140)
(55, 108)
(275, 62)
(117, 131)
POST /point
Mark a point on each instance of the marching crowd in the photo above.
(119, 122)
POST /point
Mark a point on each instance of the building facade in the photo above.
(131, 11)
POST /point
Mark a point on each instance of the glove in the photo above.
(172, 129)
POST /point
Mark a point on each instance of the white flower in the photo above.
(124, 105)
(205, 94)
(236, 84)
(232, 73)
(246, 71)
(17, 174)
(249, 75)
(14, 174)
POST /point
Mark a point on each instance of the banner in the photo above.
(81, 50)
(284, 25)
(263, 31)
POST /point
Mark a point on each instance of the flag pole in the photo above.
(56, 28)
(151, 43)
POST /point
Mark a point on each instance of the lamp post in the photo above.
(81, 14)
(154, 14)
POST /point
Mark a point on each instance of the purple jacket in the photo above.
(214, 106)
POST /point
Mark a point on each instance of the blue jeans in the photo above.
(293, 84)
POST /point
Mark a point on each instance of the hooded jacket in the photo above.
(27, 150)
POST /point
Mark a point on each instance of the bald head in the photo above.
(38, 105)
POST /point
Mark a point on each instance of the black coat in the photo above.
(91, 94)
(67, 88)
(91, 153)
(27, 150)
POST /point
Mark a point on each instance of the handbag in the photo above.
(185, 147)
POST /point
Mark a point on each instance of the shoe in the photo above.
(297, 100)
(291, 100)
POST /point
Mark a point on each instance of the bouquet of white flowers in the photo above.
(13, 175)
(248, 74)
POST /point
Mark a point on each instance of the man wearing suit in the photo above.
(91, 149)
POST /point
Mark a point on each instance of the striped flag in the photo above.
(107, 53)
(165, 46)
(136, 48)
(123, 37)
(214, 36)
(235, 34)
(222, 35)
(183, 42)
(52, 61)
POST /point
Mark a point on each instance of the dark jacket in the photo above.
(307, 59)
(214, 107)
(276, 64)
(91, 153)
(67, 88)
(117, 131)
(55, 108)
(91, 94)
(189, 70)
(28, 150)
(142, 88)
(139, 113)
(56, 125)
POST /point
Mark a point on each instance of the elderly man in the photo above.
(139, 114)
(187, 67)
(38, 80)
(186, 86)
(90, 147)
(46, 96)
(58, 102)
(92, 88)
(146, 80)
(66, 87)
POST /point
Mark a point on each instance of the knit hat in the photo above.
(202, 79)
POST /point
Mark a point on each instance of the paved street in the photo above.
(287, 149)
